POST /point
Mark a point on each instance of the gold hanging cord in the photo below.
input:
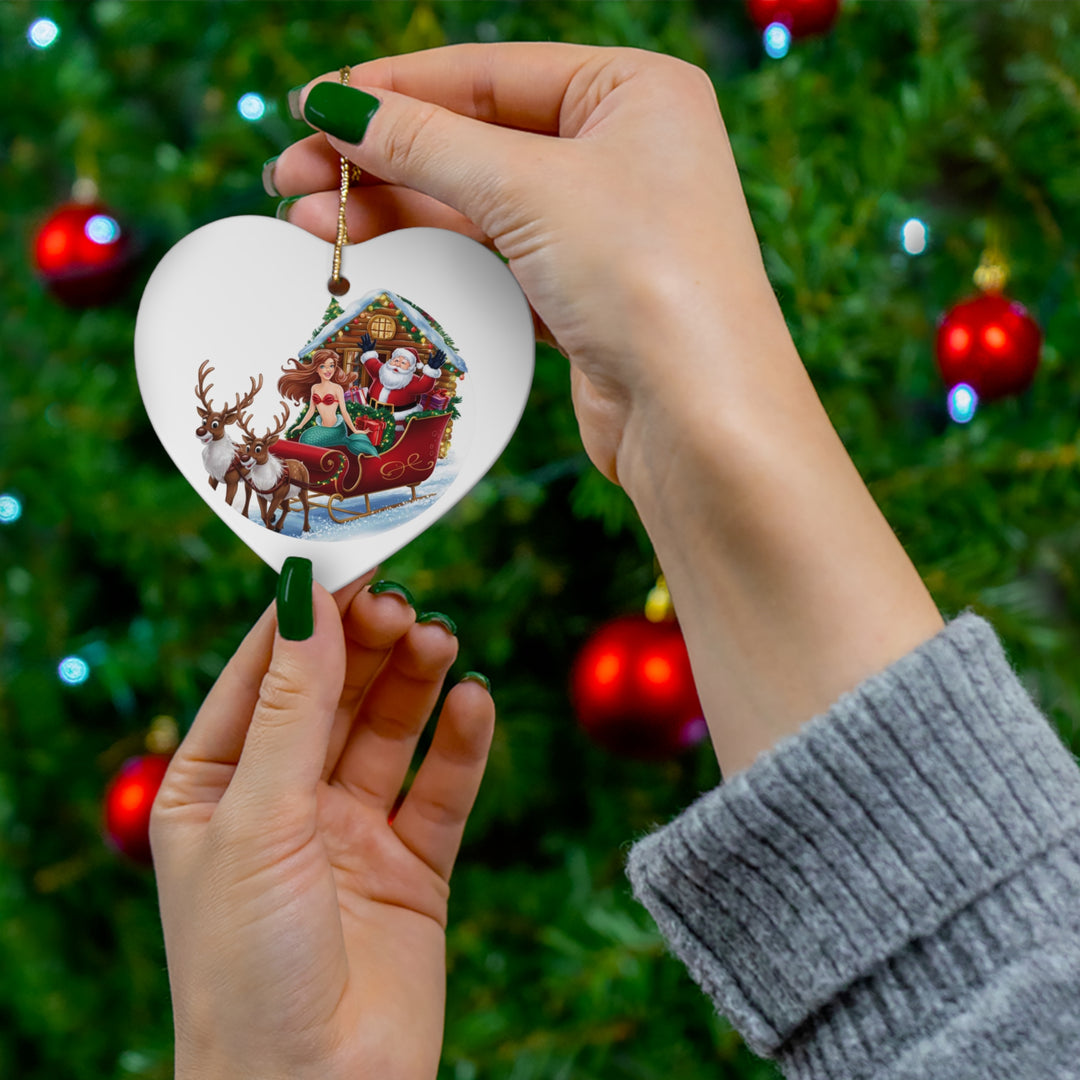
(338, 285)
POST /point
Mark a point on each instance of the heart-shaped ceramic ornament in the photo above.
(336, 428)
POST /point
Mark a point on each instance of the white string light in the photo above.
(251, 107)
(777, 40)
(42, 33)
(914, 236)
(73, 670)
(963, 401)
(10, 509)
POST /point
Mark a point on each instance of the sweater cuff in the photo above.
(901, 817)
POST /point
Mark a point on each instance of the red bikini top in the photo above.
(328, 400)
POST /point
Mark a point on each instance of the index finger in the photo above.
(513, 84)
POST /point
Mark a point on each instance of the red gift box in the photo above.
(373, 428)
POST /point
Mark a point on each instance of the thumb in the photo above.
(467, 164)
(286, 744)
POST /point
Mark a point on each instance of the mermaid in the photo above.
(321, 382)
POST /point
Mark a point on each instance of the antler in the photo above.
(201, 391)
(249, 397)
(244, 419)
(242, 423)
(280, 423)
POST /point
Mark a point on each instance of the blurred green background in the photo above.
(961, 114)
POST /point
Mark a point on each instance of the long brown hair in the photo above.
(297, 382)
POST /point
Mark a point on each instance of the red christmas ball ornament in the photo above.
(128, 800)
(801, 17)
(633, 690)
(991, 343)
(83, 254)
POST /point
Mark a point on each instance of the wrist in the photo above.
(707, 404)
(210, 1065)
(791, 588)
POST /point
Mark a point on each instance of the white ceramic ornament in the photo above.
(369, 446)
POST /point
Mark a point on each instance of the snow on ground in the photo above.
(323, 528)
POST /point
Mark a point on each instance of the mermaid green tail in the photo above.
(338, 435)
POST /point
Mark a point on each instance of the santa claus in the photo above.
(400, 380)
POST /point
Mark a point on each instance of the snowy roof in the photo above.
(421, 321)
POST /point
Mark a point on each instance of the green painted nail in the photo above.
(295, 608)
(394, 588)
(340, 110)
(475, 676)
(294, 102)
(444, 621)
(268, 178)
(283, 207)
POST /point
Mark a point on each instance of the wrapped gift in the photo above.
(354, 394)
(373, 428)
(436, 400)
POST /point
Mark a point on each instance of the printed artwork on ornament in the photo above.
(356, 432)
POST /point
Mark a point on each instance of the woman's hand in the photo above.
(304, 930)
(606, 178)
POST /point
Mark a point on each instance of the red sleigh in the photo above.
(336, 474)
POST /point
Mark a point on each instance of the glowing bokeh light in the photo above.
(10, 509)
(132, 797)
(914, 236)
(995, 337)
(607, 669)
(42, 33)
(54, 243)
(959, 339)
(963, 401)
(657, 670)
(777, 39)
(251, 107)
(694, 731)
(102, 229)
(73, 670)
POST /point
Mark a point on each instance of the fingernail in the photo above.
(340, 110)
(283, 207)
(444, 621)
(268, 178)
(294, 102)
(295, 609)
(393, 588)
(475, 676)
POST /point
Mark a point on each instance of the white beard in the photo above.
(393, 379)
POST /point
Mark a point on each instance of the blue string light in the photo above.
(914, 236)
(102, 229)
(73, 670)
(777, 39)
(42, 33)
(963, 401)
(251, 107)
(10, 509)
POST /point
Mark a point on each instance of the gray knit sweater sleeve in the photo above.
(894, 892)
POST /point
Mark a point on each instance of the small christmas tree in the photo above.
(333, 311)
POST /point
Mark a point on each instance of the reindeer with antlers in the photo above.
(274, 480)
(220, 454)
